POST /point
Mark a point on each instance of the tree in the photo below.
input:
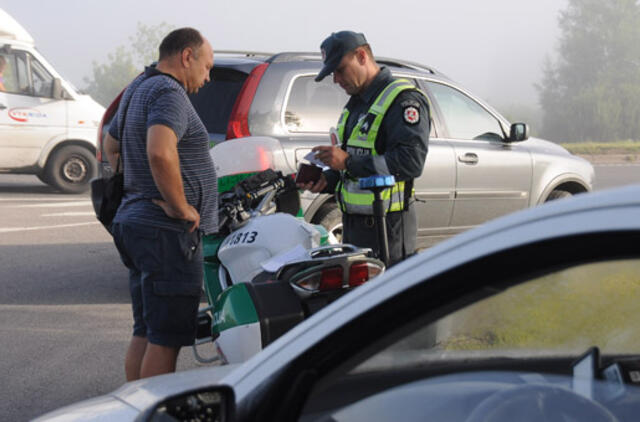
(592, 91)
(125, 63)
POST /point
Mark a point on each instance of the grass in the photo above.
(595, 304)
(593, 148)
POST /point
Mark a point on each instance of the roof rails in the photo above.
(406, 64)
(292, 56)
(245, 53)
(295, 56)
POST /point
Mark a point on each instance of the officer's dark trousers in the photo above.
(360, 230)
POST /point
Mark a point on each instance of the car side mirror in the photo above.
(519, 132)
(209, 403)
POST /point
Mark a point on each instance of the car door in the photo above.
(29, 116)
(493, 176)
(435, 188)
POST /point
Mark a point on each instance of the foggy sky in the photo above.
(495, 48)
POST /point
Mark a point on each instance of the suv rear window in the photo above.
(313, 106)
(215, 100)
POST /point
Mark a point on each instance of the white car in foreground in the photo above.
(485, 326)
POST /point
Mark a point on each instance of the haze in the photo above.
(496, 48)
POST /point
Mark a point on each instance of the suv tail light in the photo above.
(107, 116)
(238, 126)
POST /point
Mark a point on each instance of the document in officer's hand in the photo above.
(311, 158)
(308, 173)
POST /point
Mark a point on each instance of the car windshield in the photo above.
(559, 314)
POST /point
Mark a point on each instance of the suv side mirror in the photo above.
(519, 132)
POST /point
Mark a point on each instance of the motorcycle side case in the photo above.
(249, 316)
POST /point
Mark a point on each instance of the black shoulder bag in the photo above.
(107, 192)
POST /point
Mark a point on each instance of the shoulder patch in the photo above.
(410, 103)
(411, 115)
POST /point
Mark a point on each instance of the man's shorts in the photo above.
(165, 280)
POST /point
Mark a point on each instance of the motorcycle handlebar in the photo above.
(276, 184)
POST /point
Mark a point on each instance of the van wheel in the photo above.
(330, 216)
(70, 169)
(43, 178)
(558, 194)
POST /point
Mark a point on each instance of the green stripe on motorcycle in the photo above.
(226, 183)
(234, 307)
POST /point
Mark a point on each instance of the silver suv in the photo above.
(479, 166)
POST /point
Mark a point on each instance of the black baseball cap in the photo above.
(335, 46)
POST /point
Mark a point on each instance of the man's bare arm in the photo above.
(162, 150)
(111, 148)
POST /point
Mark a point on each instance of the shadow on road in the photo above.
(27, 184)
(55, 274)
(30, 188)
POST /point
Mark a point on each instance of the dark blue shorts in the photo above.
(165, 280)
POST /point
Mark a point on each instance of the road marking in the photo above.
(69, 214)
(50, 198)
(54, 205)
(59, 226)
(618, 165)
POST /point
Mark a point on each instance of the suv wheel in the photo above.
(70, 169)
(558, 194)
(330, 216)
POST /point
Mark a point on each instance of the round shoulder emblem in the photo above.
(411, 115)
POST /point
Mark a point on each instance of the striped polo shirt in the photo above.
(156, 98)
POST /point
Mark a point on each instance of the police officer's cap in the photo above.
(335, 46)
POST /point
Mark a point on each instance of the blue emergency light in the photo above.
(377, 181)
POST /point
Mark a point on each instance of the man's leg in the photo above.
(133, 360)
(158, 360)
(124, 239)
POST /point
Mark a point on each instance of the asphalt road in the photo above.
(65, 317)
(64, 307)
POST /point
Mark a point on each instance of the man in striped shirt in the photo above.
(170, 200)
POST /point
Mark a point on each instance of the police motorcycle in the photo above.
(266, 269)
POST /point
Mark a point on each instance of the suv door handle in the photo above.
(2, 106)
(468, 158)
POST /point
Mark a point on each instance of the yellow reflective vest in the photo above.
(351, 198)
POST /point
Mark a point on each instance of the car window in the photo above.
(313, 106)
(215, 100)
(464, 117)
(14, 75)
(41, 79)
(562, 313)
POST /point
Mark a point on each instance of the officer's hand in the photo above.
(331, 156)
(316, 187)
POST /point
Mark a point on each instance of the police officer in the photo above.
(383, 129)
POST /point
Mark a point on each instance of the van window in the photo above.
(313, 106)
(14, 73)
(41, 79)
(24, 75)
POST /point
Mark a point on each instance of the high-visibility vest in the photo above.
(352, 199)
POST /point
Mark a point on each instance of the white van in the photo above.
(47, 127)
